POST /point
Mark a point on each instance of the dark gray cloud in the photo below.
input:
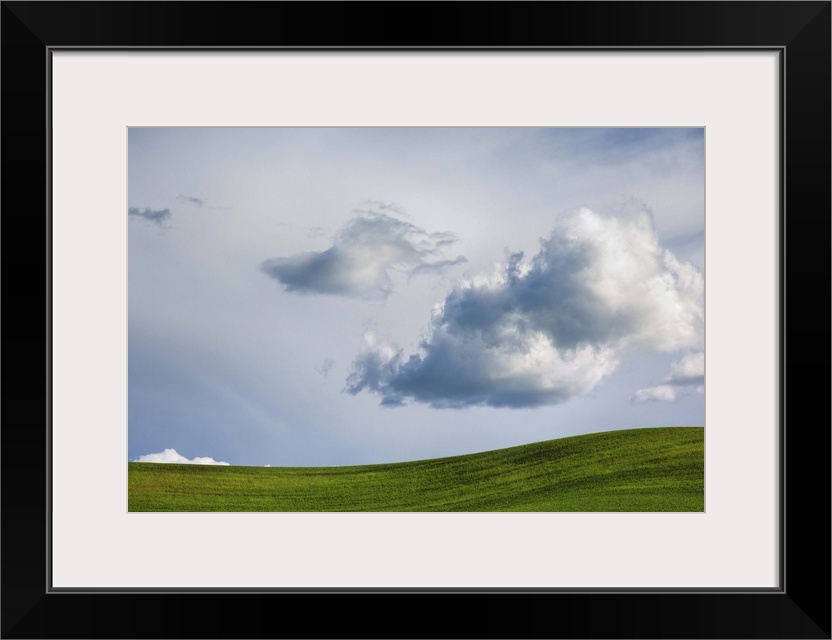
(541, 331)
(364, 254)
(190, 200)
(157, 216)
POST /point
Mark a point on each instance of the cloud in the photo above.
(157, 216)
(539, 332)
(661, 393)
(171, 456)
(385, 206)
(364, 254)
(690, 370)
(685, 377)
(190, 200)
(326, 366)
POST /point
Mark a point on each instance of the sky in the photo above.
(340, 296)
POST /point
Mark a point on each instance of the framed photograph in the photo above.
(545, 326)
(492, 312)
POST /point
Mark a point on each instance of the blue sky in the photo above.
(349, 296)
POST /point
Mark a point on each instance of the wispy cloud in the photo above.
(190, 200)
(539, 332)
(172, 457)
(686, 376)
(156, 216)
(378, 205)
(325, 367)
(364, 254)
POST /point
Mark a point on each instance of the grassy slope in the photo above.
(657, 469)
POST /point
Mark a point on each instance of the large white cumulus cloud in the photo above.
(541, 331)
(172, 456)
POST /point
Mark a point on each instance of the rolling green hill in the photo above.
(655, 469)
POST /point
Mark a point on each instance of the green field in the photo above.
(655, 469)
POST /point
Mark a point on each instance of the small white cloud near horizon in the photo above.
(171, 456)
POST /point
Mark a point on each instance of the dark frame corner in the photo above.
(799, 30)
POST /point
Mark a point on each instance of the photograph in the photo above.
(416, 319)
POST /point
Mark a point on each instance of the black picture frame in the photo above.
(799, 608)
